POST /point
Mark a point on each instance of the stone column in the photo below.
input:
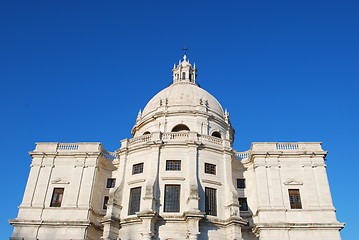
(31, 185)
(261, 181)
(88, 176)
(192, 219)
(149, 196)
(233, 231)
(111, 221)
(42, 187)
(310, 183)
(231, 194)
(192, 166)
(148, 224)
(275, 183)
(76, 180)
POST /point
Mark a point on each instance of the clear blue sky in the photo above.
(80, 70)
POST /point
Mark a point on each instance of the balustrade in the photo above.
(242, 155)
(213, 140)
(67, 146)
(175, 136)
(109, 155)
(287, 146)
(140, 139)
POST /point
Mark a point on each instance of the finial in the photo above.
(139, 115)
(184, 49)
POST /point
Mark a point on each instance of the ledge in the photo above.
(173, 178)
(136, 181)
(211, 182)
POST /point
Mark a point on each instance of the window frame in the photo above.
(294, 194)
(133, 207)
(241, 183)
(55, 196)
(172, 166)
(243, 204)
(172, 203)
(210, 168)
(210, 201)
(105, 202)
(137, 168)
(111, 182)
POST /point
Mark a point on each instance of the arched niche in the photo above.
(146, 133)
(180, 128)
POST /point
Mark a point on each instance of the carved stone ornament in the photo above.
(59, 181)
(293, 182)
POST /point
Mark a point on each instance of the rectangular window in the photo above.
(294, 199)
(137, 168)
(111, 182)
(210, 168)
(173, 165)
(57, 196)
(241, 183)
(135, 199)
(172, 198)
(105, 202)
(243, 204)
(211, 201)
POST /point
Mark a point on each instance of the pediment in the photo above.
(293, 182)
(59, 181)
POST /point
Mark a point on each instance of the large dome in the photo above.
(184, 95)
(184, 104)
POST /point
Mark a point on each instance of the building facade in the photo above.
(178, 178)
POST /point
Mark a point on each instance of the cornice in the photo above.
(274, 226)
(59, 153)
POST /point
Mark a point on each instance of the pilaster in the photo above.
(149, 198)
(192, 168)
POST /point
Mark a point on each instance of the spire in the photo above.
(184, 72)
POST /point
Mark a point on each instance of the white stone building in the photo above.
(178, 178)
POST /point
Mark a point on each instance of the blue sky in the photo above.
(73, 71)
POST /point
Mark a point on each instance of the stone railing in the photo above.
(80, 147)
(286, 146)
(109, 155)
(67, 146)
(140, 139)
(211, 139)
(175, 137)
(280, 147)
(242, 155)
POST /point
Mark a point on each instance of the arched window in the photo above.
(146, 133)
(180, 128)
(183, 75)
(216, 134)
